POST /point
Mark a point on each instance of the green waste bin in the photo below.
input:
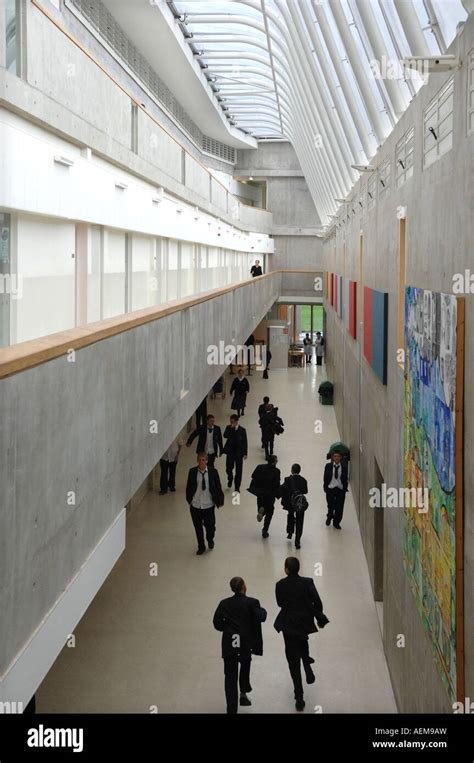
(326, 393)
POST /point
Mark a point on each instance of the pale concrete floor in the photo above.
(149, 641)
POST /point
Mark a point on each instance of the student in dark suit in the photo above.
(261, 411)
(235, 450)
(268, 357)
(293, 486)
(300, 605)
(271, 424)
(265, 485)
(204, 493)
(335, 485)
(239, 387)
(209, 440)
(240, 619)
(250, 345)
(256, 270)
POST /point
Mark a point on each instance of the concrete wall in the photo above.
(84, 426)
(295, 220)
(273, 158)
(290, 201)
(440, 231)
(301, 252)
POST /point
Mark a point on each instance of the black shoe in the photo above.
(200, 551)
(162, 492)
(338, 527)
(289, 536)
(229, 483)
(210, 543)
(297, 545)
(264, 534)
(260, 516)
(310, 677)
(244, 701)
(328, 522)
(172, 489)
(300, 704)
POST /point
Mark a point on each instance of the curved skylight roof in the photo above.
(324, 74)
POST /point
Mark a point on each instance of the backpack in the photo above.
(277, 428)
(298, 502)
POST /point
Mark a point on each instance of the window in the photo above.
(385, 172)
(94, 271)
(404, 156)
(438, 124)
(470, 92)
(372, 191)
(12, 36)
(114, 284)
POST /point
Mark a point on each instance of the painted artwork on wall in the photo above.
(433, 461)
(350, 307)
(376, 331)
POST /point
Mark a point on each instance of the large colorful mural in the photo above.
(430, 462)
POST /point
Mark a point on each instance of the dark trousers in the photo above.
(319, 360)
(211, 457)
(167, 475)
(201, 414)
(235, 680)
(335, 500)
(267, 505)
(297, 651)
(204, 518)
(237, 462)
(268, 441)
(295, 519)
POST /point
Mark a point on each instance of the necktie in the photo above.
(203, 482)
(336, 472)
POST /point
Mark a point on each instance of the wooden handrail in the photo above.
(34, 352)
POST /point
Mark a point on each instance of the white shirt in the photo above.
(202, 498)
(173, 450)
(210, 441)
(336, 482)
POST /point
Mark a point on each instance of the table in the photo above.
(296, 358)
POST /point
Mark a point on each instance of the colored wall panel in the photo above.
(340, 299)
(346, 311)
(379, 334)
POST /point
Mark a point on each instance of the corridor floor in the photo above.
(148, 641)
